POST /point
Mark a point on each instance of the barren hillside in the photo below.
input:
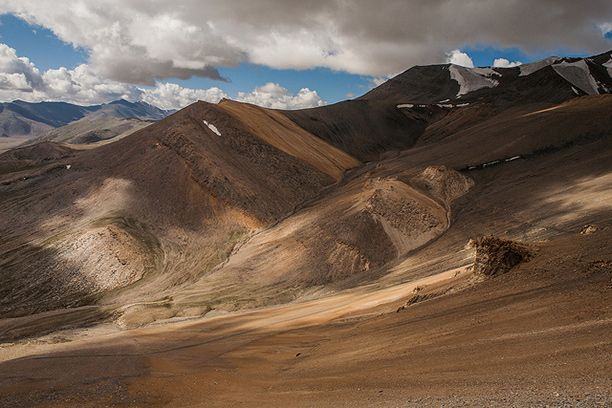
(443, 239)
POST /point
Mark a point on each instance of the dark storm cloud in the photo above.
(140, 41)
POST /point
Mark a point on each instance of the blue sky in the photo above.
(46, 51)
(39, 44)
(43, 48)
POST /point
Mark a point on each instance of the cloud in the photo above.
(270, 95)
(21, 79)
(377, 81)
(143, 42)
(458, 57)
(504, 63)
(274, 96)
(14, 82)
(17, 73)
(83, 86)
(173, 96)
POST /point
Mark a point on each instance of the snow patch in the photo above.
(213, 128)
(491, 163)
(405, 105)
(472, 79)
(578, 74)
(450, 105)
(487, 72)
(528, 69)
(608, 66)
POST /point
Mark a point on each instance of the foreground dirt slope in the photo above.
(534, 336)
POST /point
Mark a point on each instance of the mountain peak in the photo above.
(122, 102)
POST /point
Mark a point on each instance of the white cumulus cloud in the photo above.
(504, 63)
(17, 73)
(606, 27)
(459, 57)
(173, 96)
(21, 79)
(274, 96)
(142, 42)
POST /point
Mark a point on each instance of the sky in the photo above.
(275, 53)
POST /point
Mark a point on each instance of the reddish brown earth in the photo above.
(535, 336)
(234, 255)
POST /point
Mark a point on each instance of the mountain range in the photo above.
(22, 121)
(448, 217)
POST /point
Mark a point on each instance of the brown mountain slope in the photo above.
(394, 115)
(161, 211)
(157, 208)
(275, 129)
(363, 128)
(353, 231)
(536, 335)
(420, 85)
(93, 129)
(370, 290)
(371, 224)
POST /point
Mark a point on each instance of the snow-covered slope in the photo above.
(608, 66)
(578, 74)
(528, 69)
(472, 79)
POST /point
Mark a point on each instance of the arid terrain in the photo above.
(443, 240)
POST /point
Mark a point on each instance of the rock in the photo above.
(588, 229)
(495, 256)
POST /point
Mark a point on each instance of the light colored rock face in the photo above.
(608, 66)
(443, 183)
(410, 219)
(528, 69)
(472, 79)
(578, 74)
(107, 257)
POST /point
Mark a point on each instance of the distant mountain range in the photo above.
(554, 78)
(66, 122)
(393, 116)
